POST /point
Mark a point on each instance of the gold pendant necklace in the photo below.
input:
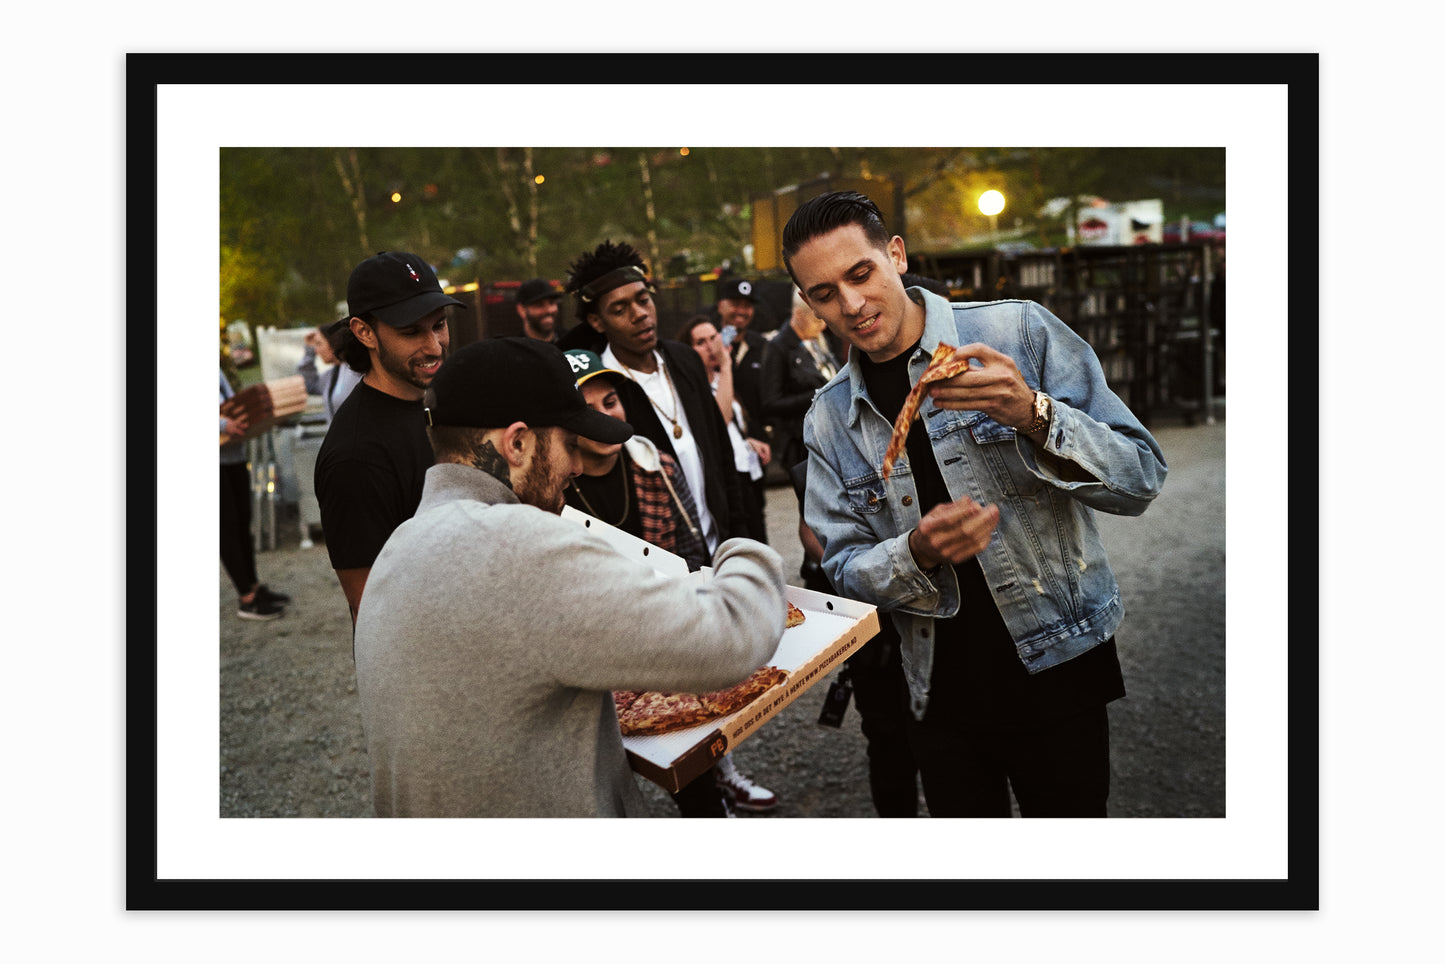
(676, 402)
(626, 497)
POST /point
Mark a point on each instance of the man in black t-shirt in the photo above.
(372, 462)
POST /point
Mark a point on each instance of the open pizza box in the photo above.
(832, 630)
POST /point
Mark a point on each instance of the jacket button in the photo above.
(908, 500)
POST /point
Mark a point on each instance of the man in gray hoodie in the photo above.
(481, 697)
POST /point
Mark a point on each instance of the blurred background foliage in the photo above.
(295, 221)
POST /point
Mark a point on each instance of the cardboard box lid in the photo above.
(833, 629)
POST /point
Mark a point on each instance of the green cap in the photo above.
(588, 364)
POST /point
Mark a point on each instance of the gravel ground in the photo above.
(291, 743)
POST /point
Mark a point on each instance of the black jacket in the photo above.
(790, 376)
(724, 499)
(748, 379)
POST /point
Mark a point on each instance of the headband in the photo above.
(615, 278)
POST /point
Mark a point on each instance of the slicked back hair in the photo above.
(826, 212)
(591, 265)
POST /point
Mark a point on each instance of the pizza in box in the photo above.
(649, 713)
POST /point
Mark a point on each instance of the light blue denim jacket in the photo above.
(1045, 563)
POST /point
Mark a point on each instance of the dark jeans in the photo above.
(238, 553)
(1061, 770)
(701, 798)
(881, 695)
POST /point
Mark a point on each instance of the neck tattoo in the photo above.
(489, 460)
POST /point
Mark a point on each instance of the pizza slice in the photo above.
(652, 712)
(655, 712)
(728, 701)
(942, 365)
(795, 617)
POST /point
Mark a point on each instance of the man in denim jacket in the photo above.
(981, 543)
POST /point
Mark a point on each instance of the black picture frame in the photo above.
(146, 889)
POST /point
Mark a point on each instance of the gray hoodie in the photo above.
(492, 634)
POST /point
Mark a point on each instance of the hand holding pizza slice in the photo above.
(942, 365)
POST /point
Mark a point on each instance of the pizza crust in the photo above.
(940, 366)
(729, 701)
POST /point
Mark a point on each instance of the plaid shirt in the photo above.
(667, 511)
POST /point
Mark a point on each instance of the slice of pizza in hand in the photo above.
(941, 366)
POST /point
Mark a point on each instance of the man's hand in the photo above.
(236, 427)
(997, 388)
(952, 532)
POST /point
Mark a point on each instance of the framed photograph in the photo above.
(1252, 844)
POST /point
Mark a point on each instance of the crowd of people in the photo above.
(443, 472)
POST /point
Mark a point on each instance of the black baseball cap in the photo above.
(740, 288)
(397, 288)
(497, 381)
(537, 289)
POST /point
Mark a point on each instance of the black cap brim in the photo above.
(412, 310)
(592, 424)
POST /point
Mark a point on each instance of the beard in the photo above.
(406, 368)
(543, 485)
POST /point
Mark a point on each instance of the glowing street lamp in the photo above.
(991, 203)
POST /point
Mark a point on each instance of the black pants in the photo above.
(1061, 770)
(238, 553)
(755, 497)
(881, 693)
(701, 798)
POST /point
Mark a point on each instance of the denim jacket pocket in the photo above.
(986, 431)
(998, 444)
(865, 496)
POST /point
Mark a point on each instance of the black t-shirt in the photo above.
(977, 673)
(608, 497)
(369, 473)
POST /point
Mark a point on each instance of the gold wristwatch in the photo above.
(1043, 412)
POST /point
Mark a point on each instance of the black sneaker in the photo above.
(264, 592)
(259, 608)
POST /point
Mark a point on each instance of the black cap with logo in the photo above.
(497, 381)
(739, 288)
(397, 288)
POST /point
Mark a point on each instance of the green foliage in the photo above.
(295, 221)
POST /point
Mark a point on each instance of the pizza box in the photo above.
(833, 629)
(266, 405)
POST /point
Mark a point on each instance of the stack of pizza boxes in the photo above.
(266, 404)
(832, 629)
